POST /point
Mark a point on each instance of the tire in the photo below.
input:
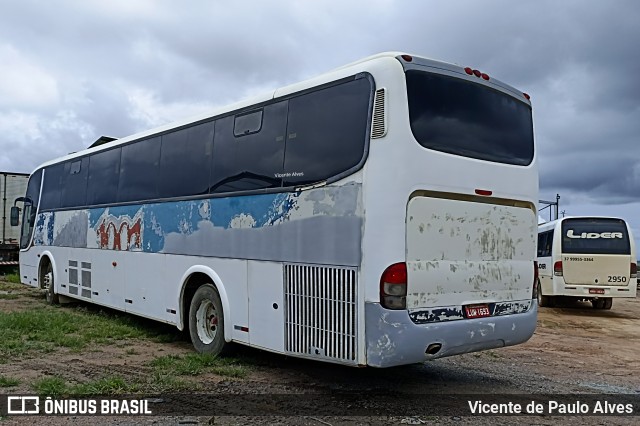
(607, 303)
(48, 283)
(598, 303)
(206, 321)
(543, 301)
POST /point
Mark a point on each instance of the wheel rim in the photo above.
(48, 283)
(207, 322)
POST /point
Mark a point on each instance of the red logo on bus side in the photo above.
(121, 230)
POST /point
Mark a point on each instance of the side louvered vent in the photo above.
(321, 312)
(379, 124)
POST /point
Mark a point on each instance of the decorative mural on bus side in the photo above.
(322, 225)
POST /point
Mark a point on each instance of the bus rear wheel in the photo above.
(604, 303)
(206, 321)
(543, 301)
(48, 282)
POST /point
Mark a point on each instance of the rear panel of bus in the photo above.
(457, 177)
(596, 258)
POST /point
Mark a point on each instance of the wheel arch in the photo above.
(192, 279)
(45, 258)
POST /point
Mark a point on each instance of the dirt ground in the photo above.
(575, 349)
(575, 342)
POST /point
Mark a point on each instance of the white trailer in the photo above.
(12, 186)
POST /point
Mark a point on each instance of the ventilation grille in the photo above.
(321, 312)
(379, 126)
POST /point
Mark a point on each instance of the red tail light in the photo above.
(557, 268)
(393, 287)
(634, 270)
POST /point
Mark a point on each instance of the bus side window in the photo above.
(104, 172)
(185, 161)
(74, 183)
(139, 166)
(248, 150)
(52, 188)
(549, 243)
(541, 243)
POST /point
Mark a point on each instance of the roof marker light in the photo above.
(484, 192)
(526, 95)
(407, 58)
(477, 73)
(485, 76)
(468, 70)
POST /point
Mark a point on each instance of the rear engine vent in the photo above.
(379, 124)
(320, 315)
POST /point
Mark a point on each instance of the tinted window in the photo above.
(185, 161)
(326, 132)
(30, 208)
(247, 123)
(459, 117)
(545, 243)
(252, 161)
(139, 169)
(74, 183)
(52, 187)
(595, 236)
(104, 171)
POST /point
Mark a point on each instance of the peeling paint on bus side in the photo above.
(322, 225)
(454, 313)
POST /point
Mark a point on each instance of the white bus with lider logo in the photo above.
(380, 214)
(586, 258)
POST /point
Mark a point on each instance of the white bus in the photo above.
(586, 258)
(380, 214)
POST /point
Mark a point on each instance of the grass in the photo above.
(9, 296)
(194, 364)
(46, 328)
(12, 278)
(10, 286)
(40, 329)
(7, 382)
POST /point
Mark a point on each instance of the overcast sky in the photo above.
(71, 71)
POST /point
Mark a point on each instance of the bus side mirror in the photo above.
(15, 216)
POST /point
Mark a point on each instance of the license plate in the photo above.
(596, 291)
(477, 311)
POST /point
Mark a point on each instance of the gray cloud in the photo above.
(72, 71)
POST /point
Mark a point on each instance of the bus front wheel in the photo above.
(48, 285)
(206, 321)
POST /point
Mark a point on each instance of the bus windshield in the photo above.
(459, 117)
(595, 236)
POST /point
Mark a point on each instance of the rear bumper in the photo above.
(393, 339)
(582, 291)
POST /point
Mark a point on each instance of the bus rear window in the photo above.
(595, 236)
(463, 118)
